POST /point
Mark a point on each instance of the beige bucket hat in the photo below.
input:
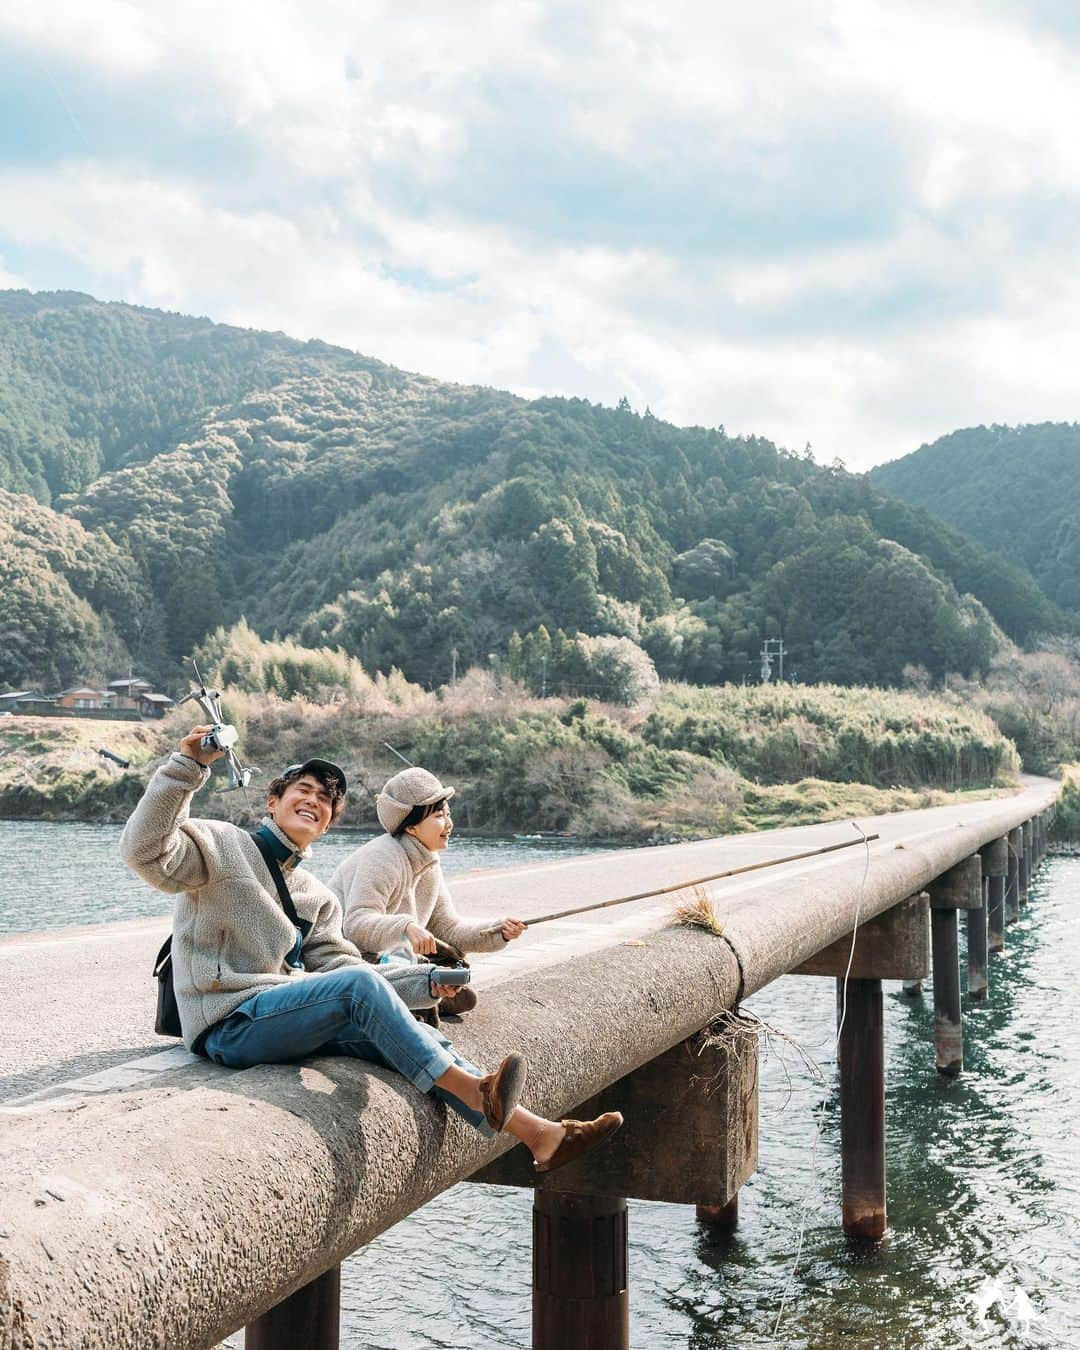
(409, 788)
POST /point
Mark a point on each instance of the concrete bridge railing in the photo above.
(175, 1213)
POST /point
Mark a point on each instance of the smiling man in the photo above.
(262, 973)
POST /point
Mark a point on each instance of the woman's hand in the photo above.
(512, 928)
(192, 746)
(420, 940)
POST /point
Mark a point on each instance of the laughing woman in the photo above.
(392, 888)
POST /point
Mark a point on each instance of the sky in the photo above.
(848, 223)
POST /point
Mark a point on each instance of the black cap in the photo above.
(325, 767)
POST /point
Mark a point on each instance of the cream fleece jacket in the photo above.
(389, 883)
(230, 933)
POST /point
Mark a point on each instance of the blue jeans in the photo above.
(344, 1012)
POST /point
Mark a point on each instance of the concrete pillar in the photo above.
(862, 1111)
(948, 1027)
(978, 982)
(310, 1318)
(1025, 862)
(995, 866)
(581, 1286)
(1012, 889)
(720, 1218)
(691, 1132)
(959, 888)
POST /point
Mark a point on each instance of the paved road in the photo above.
(76, 1002)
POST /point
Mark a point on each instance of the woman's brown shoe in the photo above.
(462, 1002)
(501, 1091)
(581, 1135)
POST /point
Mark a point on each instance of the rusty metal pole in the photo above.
(977, 948)
(862, 1111)
(310, 1318)
(958, 888)
(948, 1028)
(995, 861)
(1012, 890)
(1025, 862)
(720, 1218)
(581, 1285)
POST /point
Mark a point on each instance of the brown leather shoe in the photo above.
(581, 1135)
(462, 1002)
(501, 1091)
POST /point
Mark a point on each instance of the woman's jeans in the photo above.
(353, 1011)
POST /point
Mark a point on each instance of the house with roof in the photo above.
(84, 698)
(25, 700)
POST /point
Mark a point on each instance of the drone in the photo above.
(222, 735)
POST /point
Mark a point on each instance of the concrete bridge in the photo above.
(153, 1199)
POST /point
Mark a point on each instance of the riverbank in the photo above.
(691, 762)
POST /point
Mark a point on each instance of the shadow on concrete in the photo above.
(78, 1066)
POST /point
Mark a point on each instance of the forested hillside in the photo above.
(189, 474)
(1015, 489)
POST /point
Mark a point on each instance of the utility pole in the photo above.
(543, 677)
(453, 668)
(773, 647)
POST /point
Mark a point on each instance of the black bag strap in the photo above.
(164, 955)
(279, 882)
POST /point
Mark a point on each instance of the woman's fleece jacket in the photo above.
(389, 883)
(231, 936)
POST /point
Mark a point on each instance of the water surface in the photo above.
(984, 1171)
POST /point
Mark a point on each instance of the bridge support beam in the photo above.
(1025, 862)
(978, 949)
(581, 1282)
(862, 1111)
(995, 866)
(948, 1026)
(691, 1133)
(893, 946)
(1012, 889)
(720, 1218)
(311, 1317)
(958, 888)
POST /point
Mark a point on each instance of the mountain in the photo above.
(1013, 489)
(193, 473)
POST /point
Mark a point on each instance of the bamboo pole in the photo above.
(700, 881)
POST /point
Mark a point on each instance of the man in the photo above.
(254, 987)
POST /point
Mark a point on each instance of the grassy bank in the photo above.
(50, 768)
(689, 762)
(1067, 821)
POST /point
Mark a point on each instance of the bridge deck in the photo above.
(105, 1018)
(167, 1201)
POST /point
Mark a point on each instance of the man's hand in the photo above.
(420, 940)
(512, 928)
(192, 747)
(445, 990)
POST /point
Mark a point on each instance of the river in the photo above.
(984, 1171)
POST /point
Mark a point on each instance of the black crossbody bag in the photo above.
(167, 1018)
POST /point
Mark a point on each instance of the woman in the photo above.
(256, 985)
(393, 891)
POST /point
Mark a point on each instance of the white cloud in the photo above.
(875, 260)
